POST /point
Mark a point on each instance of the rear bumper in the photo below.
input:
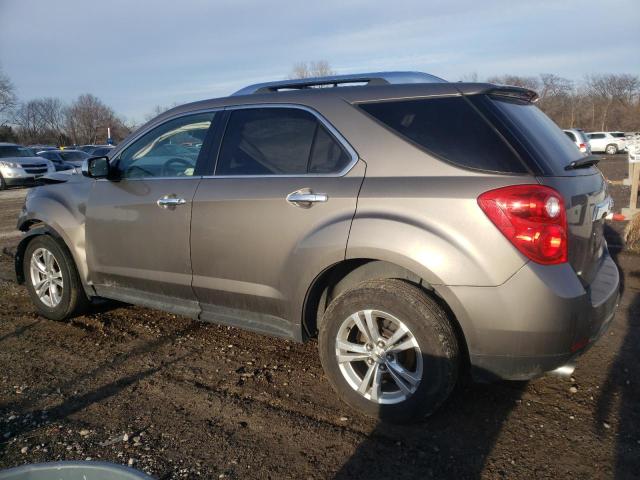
(540, 319)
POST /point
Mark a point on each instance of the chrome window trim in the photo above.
(333, 131)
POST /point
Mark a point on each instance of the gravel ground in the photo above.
(182, 399)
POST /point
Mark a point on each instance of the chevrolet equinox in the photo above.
(417, 228)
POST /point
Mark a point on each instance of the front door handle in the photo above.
(305, 198)
(170, 201)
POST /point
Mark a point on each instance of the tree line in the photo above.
(597, 102)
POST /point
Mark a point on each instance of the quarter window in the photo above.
(450, 128)
(278, 141)
(170, 150)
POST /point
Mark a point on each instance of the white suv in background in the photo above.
(606, 142)
(577, 136)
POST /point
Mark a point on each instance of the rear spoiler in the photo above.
(513, 92)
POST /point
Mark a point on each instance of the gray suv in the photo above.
(418, 228)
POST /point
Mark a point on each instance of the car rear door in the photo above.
(137, 224)
(281, 197)
(598, 141)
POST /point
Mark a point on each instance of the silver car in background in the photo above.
(418, 228)
(578, 137)
(20, 166)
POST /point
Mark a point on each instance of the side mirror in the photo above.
(96, 167)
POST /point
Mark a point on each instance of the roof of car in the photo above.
(302, 93)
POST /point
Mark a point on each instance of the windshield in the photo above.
(7, 151)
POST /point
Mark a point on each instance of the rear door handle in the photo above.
(305, 198)
(170, 201)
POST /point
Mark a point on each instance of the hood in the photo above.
(73, 175)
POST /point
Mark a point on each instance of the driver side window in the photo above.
(169, 150)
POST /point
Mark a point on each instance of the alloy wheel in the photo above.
(378, 356)
(46, 277)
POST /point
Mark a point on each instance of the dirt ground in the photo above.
(182, 399)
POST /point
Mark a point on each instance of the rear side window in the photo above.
(450, 128)
(571, 136)
(537, 138)
(596, 136)
(278, 141)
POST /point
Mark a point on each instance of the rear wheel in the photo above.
(3, 184)
(611, 149)
(389, 350)
(52, 279)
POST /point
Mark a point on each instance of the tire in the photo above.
(434, 363)
(611, 149)
(72, 300)
(3, 184)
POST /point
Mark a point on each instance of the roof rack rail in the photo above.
(374, 78)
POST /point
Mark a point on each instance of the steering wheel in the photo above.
(169, 168)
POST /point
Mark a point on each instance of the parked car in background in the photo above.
(21, 166)
(84, 148)
(578, 137)
(75, 157)
(56, 159)
(418, 228)
(72, 158)
(90, 149)
(606, 142)
(40, 148)
(100, 151)
(624, 135)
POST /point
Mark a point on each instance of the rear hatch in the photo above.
(548, 151)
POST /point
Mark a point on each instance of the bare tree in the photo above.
(87, 120)
(41, 121)
(320, 68)
(8, 100)
(611, 91)
(31, 126)
(157, 110)
(527, 82)
(469, 77)
(556, 97)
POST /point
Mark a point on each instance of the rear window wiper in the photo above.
(583, 162)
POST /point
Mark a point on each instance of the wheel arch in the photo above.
(344, 275)
(34, 228)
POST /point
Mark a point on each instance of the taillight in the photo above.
(532, 217)
(583, 147)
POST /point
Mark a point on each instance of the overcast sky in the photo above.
(135, 55)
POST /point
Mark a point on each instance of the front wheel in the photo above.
(52, 279)
(389, 350)
(611, 149)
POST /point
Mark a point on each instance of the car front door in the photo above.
(137, 223)
(281, 200)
